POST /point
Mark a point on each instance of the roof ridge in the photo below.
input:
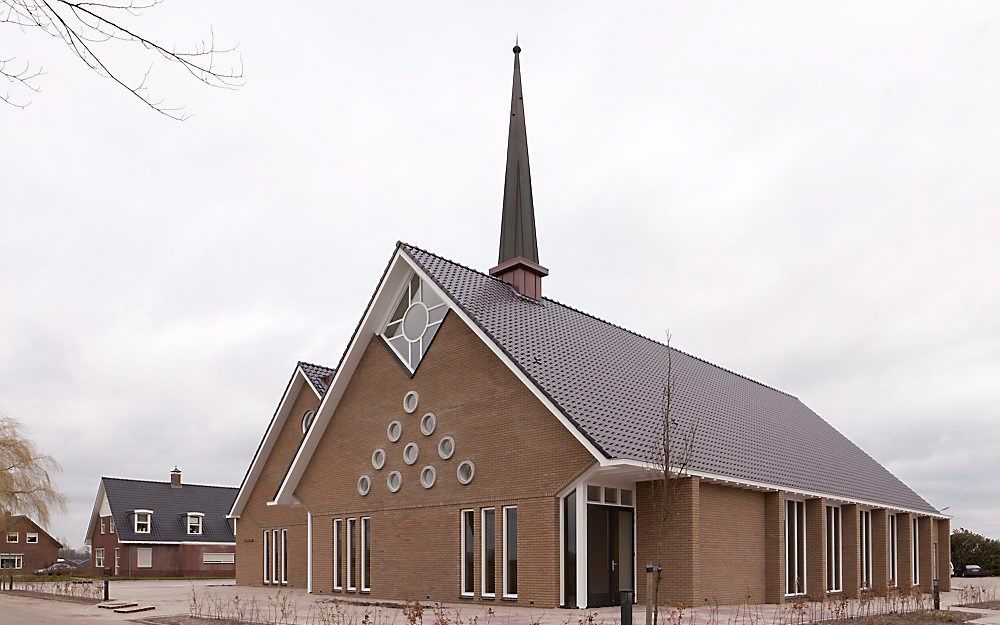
(134, 479)
(312, 364)
(606, 322)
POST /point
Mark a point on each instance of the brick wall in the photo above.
(681, 538)
(733, 557)
(816, 548)
(944, 553)
(107, 541)
(34, 555)
(905, 549)
(850, 519)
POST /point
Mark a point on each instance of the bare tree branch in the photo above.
(26, 483)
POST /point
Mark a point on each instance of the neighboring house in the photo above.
(280, 531)
(479, 442)
(140, 528)
(26, 547)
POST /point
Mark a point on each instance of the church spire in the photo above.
(518, 262)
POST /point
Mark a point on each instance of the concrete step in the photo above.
(111, 605)
(135, 608)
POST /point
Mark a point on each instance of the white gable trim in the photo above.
(99, 503)
(299, 378)
(400, 268)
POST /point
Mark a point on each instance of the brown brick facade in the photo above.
(35, 555)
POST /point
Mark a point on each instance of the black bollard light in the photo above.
(937, 595)
(106, 588)
(626, 600)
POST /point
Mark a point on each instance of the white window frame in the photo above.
(148, 514)
(99, 557)
(275, 552)
(506, 509)
(337, 585)
(266, 559)
(102, 526)
(893, 551)
(284, 557)
(352, 524)
(483, 544)
(461, 555)
(191, 518)
(866, 550)
(794, 527)
(366, 528)
(111, 524)
(218, 558)
(31, 538)
(117, 560)
(138, 552)
(834, 549)
(18, 559)
(915, 544)
(15, 535)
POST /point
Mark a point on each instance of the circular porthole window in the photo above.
(466, 471)
(446, 447)
(307, 420)
(378, 458)
(427, 423)
(394, 431)
(427, 476)
(410, 401)
(364, 485)
(394, 481)
(410, 453)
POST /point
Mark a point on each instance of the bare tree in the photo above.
(673, 455)
(84, 26)
(26, 482)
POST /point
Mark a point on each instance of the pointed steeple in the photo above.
(518, 262)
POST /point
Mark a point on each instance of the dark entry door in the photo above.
(610, 554)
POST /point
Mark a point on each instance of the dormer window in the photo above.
(413, 324)
(143, 521)
(194, 523)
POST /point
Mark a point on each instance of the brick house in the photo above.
(141, 528)
(26, 546)
(479, 442)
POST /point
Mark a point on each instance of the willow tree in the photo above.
(26, 484)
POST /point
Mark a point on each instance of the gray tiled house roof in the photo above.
(170, 507)
(318, 375)
(609, 382)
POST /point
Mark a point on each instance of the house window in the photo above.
(366, 554)
(413, 324)
(336, 555)
(866, 549)
(144, 558)
(489, 552)
(118, 560)
(275, 553)
(351, 587)
(31, 538)
(143, 519)
(893, 551)
(284, 556)
(916, 552)
(267, 557)
(468, 553)
(834, 550)
(11, 560)
(569, 550)
(111, 520)
(218, 558)
(194, 520)
(795, 547)
(99, 557)
(12, 537)
(307, 420)
(102, 525)
(510, 552)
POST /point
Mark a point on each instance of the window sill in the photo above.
(465, 595)
(488, 595)
(509, 598)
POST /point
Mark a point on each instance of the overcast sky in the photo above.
(806, 194)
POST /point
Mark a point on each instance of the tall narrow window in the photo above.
(336, 555)
(102, 529)
(275, 552)
(569, 550)
(893, 551)
(284, 556)
(489, 552)
(510, 552)
(266, 558)
(834, 550)
(366, 554)
(468, 553)
(112, 519)
(99, 558)
(795, 547)
(866, 549)
(916, 552)
(351, 587)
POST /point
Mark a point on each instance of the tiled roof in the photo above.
(609, 382)
(170, 507)
(319, 376)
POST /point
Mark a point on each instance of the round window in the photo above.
(427, 423)
(394, 481)
(307, 420)
(378, 458)
(427, 476)
(415, 321)
(410, 453)
(364, 485)
(394, 431)
(446, 447)
(410, 401)
(466, 471)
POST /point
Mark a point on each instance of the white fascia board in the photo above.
(765, 486)
(400, 268)
(174, 542)
(270, 437)
(95, 514)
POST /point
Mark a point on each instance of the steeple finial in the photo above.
(518, 260)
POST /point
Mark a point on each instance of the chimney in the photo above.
(518, 263)
(175, 478)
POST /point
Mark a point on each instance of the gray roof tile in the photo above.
(319, 376)
(170, 507)
(609, 382)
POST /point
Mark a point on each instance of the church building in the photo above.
(478, 442)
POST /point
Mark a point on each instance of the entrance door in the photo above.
(610, 554)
